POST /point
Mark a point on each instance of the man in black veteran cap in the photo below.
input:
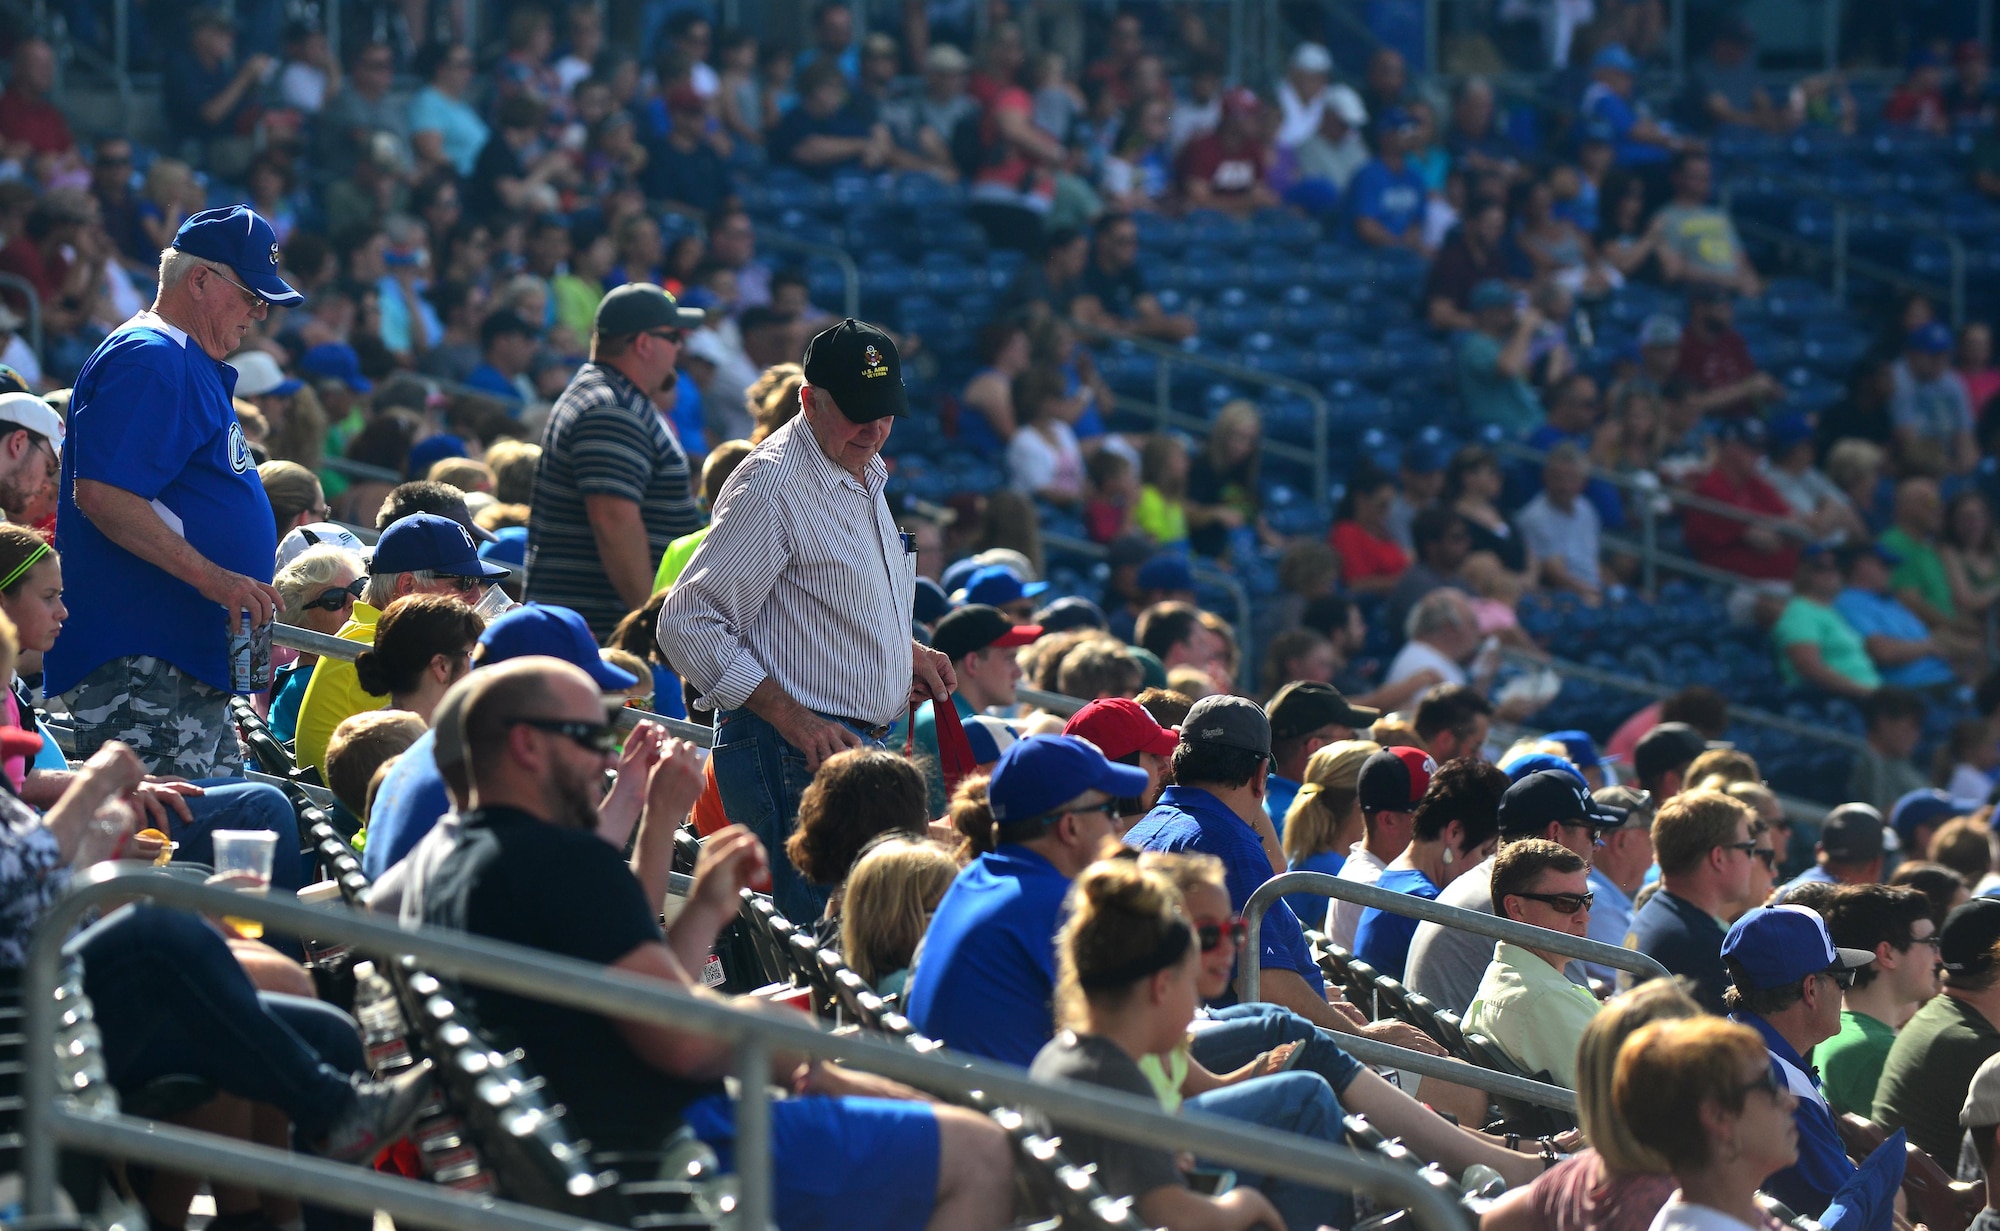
(792, 619)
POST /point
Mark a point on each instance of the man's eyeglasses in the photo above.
(1769, 856)
(599, 737)
(1842, 977)
(1768, 1083)
(1561, 903)
(337, 598)
(256, 300)
(1934, 941)
(1212, 935)
(464, 585)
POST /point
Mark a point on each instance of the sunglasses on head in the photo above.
(337, 598)
(598, 737)
(1561, 903)
(1212, 935)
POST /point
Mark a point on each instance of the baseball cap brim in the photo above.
(492, 572)
(1029, 589)
(270, 286)
(1605, 816)
(1852, 959)
(609, 676)
(1163, 744)
(1019, 635)
(1121, 781)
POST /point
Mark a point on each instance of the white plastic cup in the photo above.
(246, 853)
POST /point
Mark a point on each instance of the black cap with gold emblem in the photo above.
(857, 363)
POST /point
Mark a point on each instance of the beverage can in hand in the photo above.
(250, 657)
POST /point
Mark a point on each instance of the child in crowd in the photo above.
(1161, 513)
(1113, 488)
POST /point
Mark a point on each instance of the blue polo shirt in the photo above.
(988, 973)
(411, 799)
(1822, 1169)
(1309, 907)
(1884, 615)
(1686, 940)
(151, 414)
(1393, 198)
(1191, 819)
(1383, 939)
(1278, 796)
(1609, 116)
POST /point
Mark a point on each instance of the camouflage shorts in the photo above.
(176, 723)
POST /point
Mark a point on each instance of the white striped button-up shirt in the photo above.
(803, 580)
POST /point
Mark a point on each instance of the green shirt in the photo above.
(1491, 396)
(675, 561)
(1840, 647)
(1929, 1070)
(1850, 1063)
(1163, 519)
(1532, 1012)
(1922, 570)
(576, 303)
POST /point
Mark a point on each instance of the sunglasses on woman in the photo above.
(337, 598)
(1212, 935)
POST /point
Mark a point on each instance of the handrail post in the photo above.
(1163, 391)
(1322, 446)
(1956, 248)
(753, 1136)
(1839, 248)
(850, 273)
(1649, 555)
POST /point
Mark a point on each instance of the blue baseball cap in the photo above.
(1929, 806)
(990, 738)
(930, 604)
(509, 547)
(1614, 57)
(237, 237)
(431, 450)
(1582, 749)
(1043, 772)
(557, 632)
(957, 573)
(1776, 946)
(427, 541)
(996, 585)
(1517, 768)
(1931, 339)
(336, 361)
(1166, 571)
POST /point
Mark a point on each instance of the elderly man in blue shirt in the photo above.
(1902, 647)
(161, 519)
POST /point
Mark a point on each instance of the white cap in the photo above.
(1311, 58)
(708, 344)
(257, 374)
(1347, 105)
(27, 410)
(294, 544)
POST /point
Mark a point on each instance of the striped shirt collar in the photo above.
(830, 472)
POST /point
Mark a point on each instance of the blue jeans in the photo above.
(1240, 1033)
(760, 778)
(1292, 1102)
(170, 998)
(232, 803)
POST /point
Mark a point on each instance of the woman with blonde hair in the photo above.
(1325, 820)
(1619, 1183)
(316, 592)
(895, 886)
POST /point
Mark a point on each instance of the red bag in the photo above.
(954, 749)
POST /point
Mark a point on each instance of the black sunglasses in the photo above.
(599, 737)
(1769, 855)
(1768, 1083)
(461, 584)
(1211, 935)
(337, 598)
(1748, 848)
(1563, 903)
(1842, 977)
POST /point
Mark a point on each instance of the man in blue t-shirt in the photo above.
(161, 518)
(413, 794)
(989, 964)
(1907, 653)
(1610, 115)
(1388, 193)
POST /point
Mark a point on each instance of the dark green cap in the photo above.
(639, 306)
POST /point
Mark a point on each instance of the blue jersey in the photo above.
(1393, 198)
(988, 973)
(1383, 939)
(151, 414)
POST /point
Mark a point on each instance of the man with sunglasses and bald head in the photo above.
(421, 554)
(612, 488)
(160, 512)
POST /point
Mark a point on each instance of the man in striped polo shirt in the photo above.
(792, 620)
(612, 490)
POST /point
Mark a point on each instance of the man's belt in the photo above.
(869, 729)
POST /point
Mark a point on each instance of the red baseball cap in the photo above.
(1394, 779)
(1120, 727)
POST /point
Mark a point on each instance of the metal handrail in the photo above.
(1053, 702)
(850, 273)
(1413, 907)
(1318, 456)
(1238, 597)
(347, 651)
(1844, 211)
(15, 282)
(545, 977)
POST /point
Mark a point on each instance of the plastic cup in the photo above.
(246, 854)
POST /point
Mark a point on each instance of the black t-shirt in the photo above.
(1124, 1168)
(1116, 293)
(1209, 485)
(695, 178)
(497, 161)
(565, 891)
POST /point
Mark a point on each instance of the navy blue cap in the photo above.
(557, 632)
(1166, 571)
(996, 585)
(1548, 796)
(1929, 806)
(956, 574)
(931, 602)
(336, 361)
(1776, 946)
(237, 237)
(1044, 772)
(427, 541)
(1071, 612)
(433, 449)
(1930, 339)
